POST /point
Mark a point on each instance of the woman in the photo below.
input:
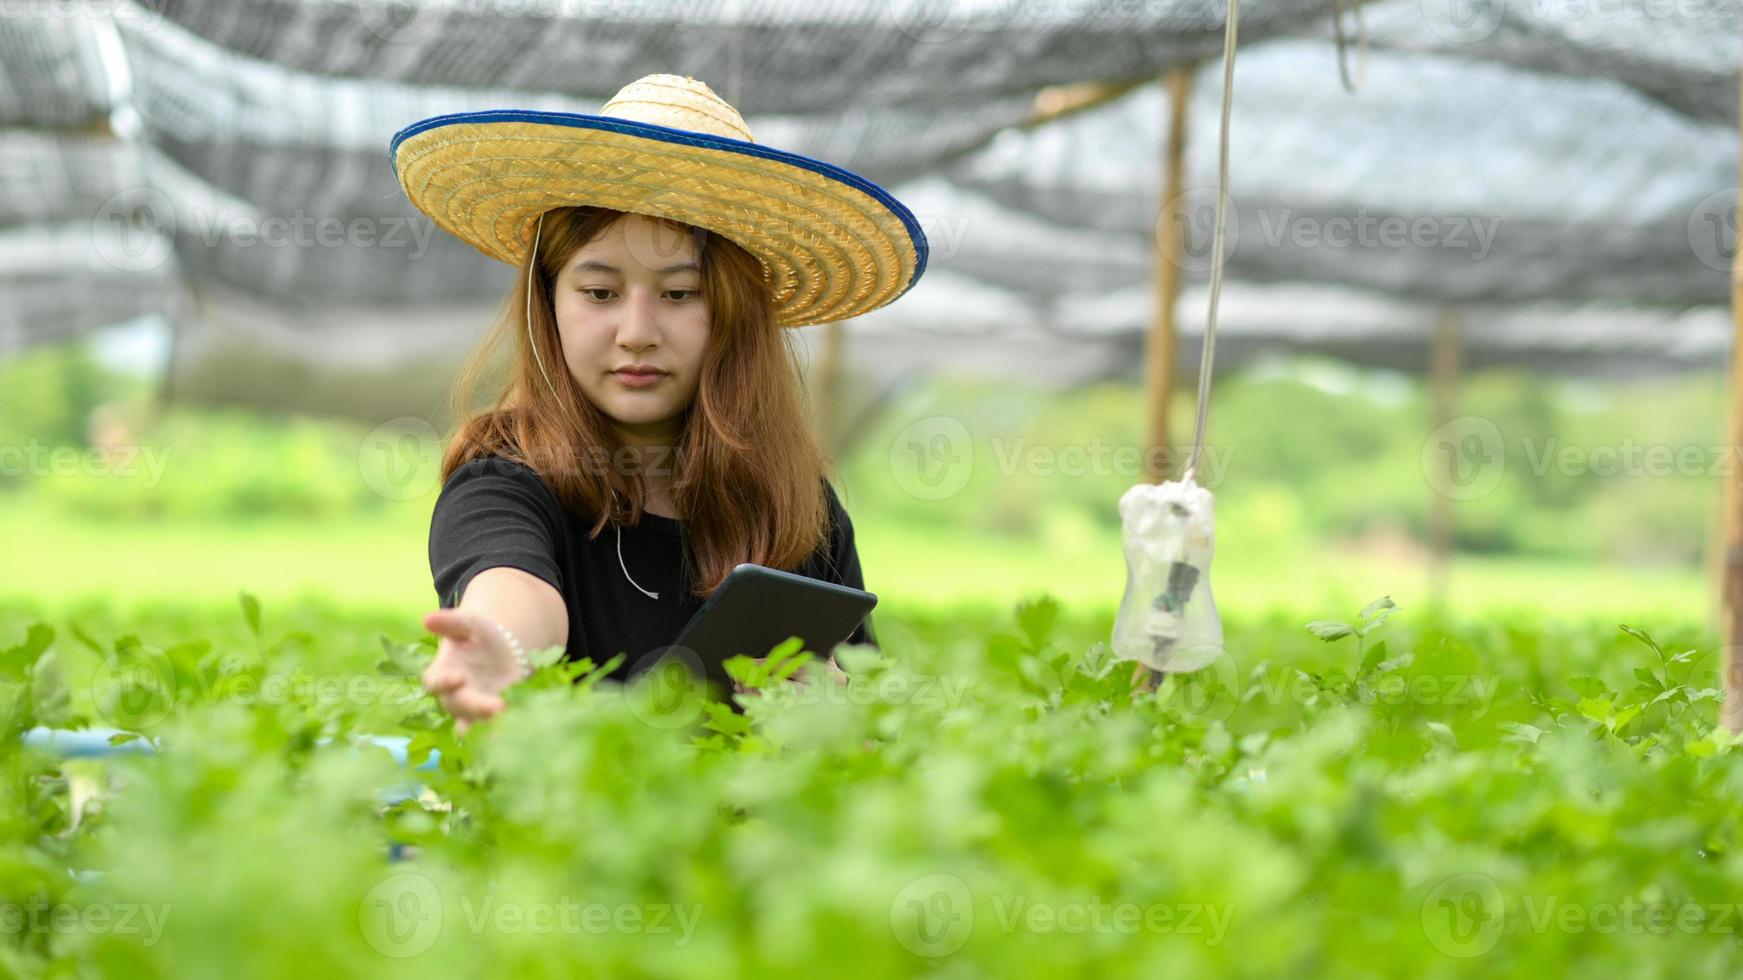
(650, 433)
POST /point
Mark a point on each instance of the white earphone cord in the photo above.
(620, 564)
(532, 273)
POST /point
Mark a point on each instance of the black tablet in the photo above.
(757, 608)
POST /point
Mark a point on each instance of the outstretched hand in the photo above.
(472, 667)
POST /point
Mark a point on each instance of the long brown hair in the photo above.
(748, 474)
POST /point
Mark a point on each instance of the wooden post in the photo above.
(1168, 247)
(1443, 391)
(827, 391)
(1730, 662)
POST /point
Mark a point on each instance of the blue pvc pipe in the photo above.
(80, 743)
(69, 743)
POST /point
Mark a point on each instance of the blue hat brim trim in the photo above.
(671, 134)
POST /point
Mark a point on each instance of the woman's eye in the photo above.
(600, 294)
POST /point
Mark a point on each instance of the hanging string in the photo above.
(734, 52)
(1337, 26)
(1208, 355)
(533, 273)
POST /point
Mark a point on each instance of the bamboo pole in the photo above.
(1730, 662)
(827, 391)
(1443, 395)
(1162, 344)
(1059, 101)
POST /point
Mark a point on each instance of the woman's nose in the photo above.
(638, 329)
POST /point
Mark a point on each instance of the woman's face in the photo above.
(633, 296)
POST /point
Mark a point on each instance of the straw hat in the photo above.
(833, 244)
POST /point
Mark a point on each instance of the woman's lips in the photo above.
(639, 379)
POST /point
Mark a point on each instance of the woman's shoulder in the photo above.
(493, 464)
(832, 497)
(493, 473)
(840, 526)
(836, 558)
(493, 467)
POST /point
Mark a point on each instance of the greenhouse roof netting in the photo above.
(1577, 162)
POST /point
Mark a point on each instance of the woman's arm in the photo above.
(493, 560)
(474, 662)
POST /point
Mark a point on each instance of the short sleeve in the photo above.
(493, 513)
(844, 566)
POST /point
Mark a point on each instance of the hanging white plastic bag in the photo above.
(1168, 619)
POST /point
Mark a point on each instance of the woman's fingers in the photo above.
(443, 674)
(440, 680)
(449, 623)
(447, 676)
(469, 703)
(477, 704)
(834, 671)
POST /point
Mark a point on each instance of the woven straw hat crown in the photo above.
(680, 102)
(832, 243)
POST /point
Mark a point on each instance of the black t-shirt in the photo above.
(496, 512)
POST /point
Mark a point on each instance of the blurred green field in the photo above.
(1322, 497)
(380, 562)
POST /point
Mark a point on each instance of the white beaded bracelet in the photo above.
(524, 665)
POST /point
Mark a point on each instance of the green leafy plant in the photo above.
(977, 784)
